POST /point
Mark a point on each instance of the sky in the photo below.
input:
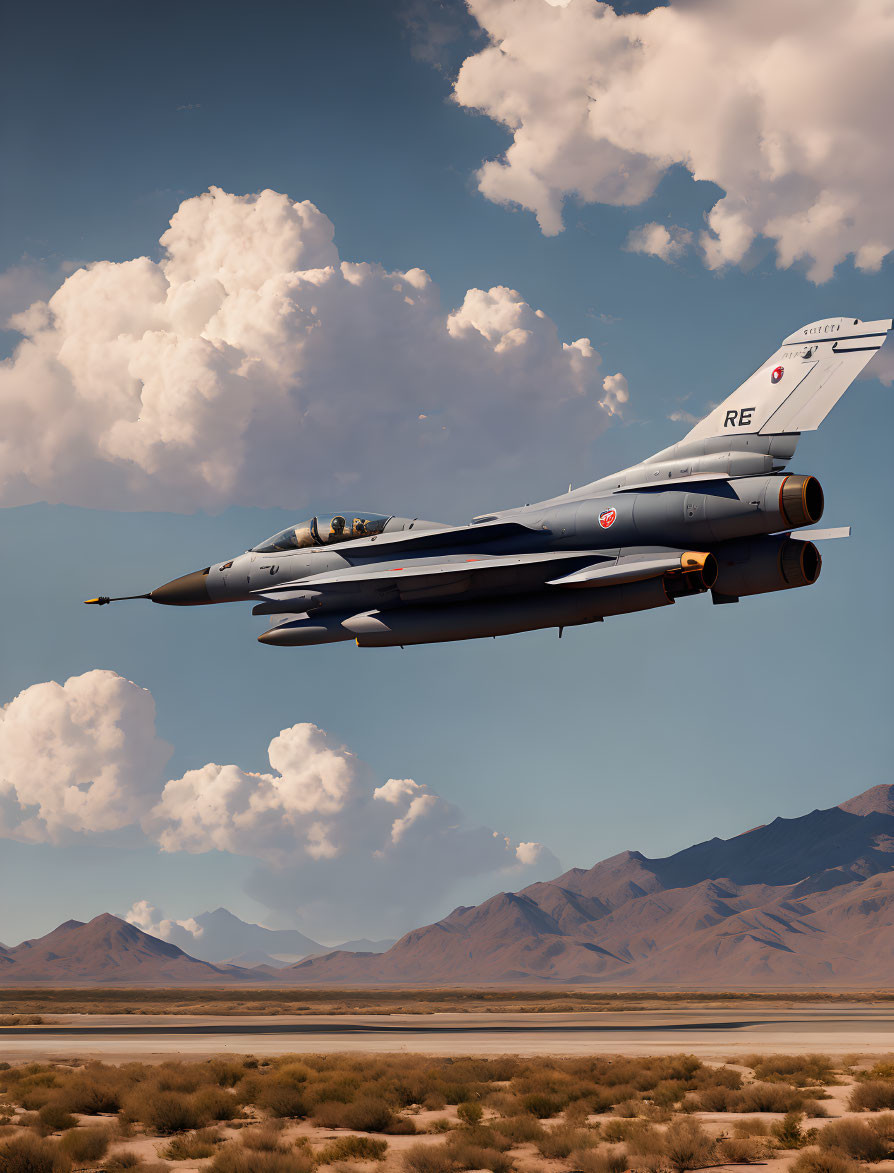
(427, 260)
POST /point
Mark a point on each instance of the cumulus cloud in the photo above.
(77, 758)
(252, 365)
(615, 393)
(785, 107)
(151, 920)
(656, 240)
(332, 843)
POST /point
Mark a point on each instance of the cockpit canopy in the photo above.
(324, 530)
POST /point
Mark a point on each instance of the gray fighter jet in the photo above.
(714, 513)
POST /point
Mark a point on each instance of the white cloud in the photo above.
(679, 416)
(252, 365)
(150, 919)
(881, 366)
(615, 394)
(655, 240)
(331, 844)
(78, 758)
(786, 107)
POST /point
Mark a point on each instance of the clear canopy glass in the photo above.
(324, 530)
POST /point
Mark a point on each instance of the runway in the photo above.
(709, 1034)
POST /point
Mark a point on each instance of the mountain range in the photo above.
(799, 902)
(804, 902)
(221, 936)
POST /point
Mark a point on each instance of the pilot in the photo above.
(359, 526)
(337, 529)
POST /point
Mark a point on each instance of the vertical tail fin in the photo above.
(797, 387)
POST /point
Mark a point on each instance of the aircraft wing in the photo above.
(454, 575)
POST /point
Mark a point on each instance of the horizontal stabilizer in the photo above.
(821, 535)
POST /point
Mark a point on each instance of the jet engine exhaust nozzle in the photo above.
(801, 500)
(698, 572)
(704, 566)
(799, 563)
(190, 590)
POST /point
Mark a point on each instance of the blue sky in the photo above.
(648, 732)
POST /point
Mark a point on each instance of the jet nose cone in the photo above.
(190, 590)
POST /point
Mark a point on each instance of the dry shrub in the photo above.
(767, 1097)
(34, 1098)
(883, 1125)
(126, 1159)
(741, 1150)
(28, 1153)
(873, 1095)
(466, 1155)
(688, 1146)
(788, 1131)
(646, 1151)
(627, 1109)
(54, 1117)
(164, 1112)
(444, 1124)
(281, 1098)
(193, 1145)
(564, 1139)
(518, 1129)
(212, 1103)
(401, 1126)
(435, 1102)
(822, 1161)
(427, 1158)
(233, 1158)
(174, 1076)
(265, 1138)
(576, 1112)
(367, 1114)
(711, 1099)
(470, 1112)
(600, 1161)
(746, 1128)
(86, 1144)
(543, 1104)
(91, 1096)
(800, 1070)
(481, 1136)
(618, 1131)
(227, 1072)
(353, 1148)
(855, 1139)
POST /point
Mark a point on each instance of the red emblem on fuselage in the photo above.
(607, 517)
(777, 374)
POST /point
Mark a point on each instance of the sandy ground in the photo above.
(709, 1033)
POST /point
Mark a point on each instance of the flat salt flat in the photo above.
(708, 1033)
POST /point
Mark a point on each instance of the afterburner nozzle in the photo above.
(702, 564)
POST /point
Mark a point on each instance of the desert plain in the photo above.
(591, 1111)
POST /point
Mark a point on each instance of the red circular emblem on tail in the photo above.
(777, 374)
(607, 517)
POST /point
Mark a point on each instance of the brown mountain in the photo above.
(798, 902)
(107, 951)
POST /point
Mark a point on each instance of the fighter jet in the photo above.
(715, 513)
